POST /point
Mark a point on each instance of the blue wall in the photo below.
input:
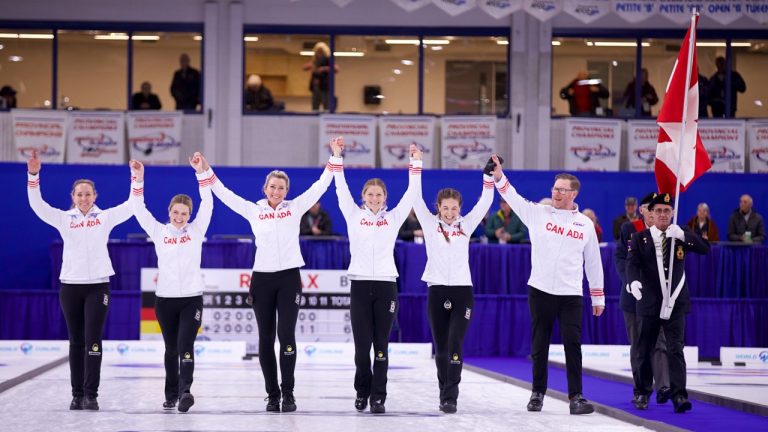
(25, 239)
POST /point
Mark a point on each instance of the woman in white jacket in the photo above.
(84, 277)
(372, 234)
(276, 283)
(450, 300)
(180, 286)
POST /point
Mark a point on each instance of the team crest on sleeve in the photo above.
(106, 300)
(298, 299)
(392, 307)
(468, 313)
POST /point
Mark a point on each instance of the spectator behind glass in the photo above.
(583, 95)
(648, 95)
(593, 217)
(7, 97)
(703, 96)
(145, 99)
(745, 224)
(411, 229)
(257, 96)
(505, 226)
(320, 66)
(185, 87)
(315, 222)
(717, 89)
(703, 225)
(630, 215)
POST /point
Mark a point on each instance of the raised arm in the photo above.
(521, 206)
(475, 216)
(148, 223)
(307, 199)
(423, 214)
(239, 205)
(401, 210)
(42, 209)
(121, 212)
(204, 180)
(347, 204)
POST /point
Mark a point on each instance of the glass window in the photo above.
(286, 66)
(157, 57)
(377, 74)
(595, 77)
(92, 69)
(659, 56)
(25, 68)
(750, 61)
(465, 75)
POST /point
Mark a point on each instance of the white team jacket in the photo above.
(448, 260)
(85, 259)
(179, 251)
(563, 245)
(276, 231)
(372, 236)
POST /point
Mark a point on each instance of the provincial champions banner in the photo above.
(359, 132)
(725, 143)
(396, 134)
(41, 130)
(757, 133)
(642, 137)
(96, 137)
(467, 141)
(592, 144)
(154, 138)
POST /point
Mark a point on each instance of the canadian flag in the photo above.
(674, 165)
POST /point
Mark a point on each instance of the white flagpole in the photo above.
(667, 290)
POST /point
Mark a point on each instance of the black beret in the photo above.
(647, 199)
(666, 198)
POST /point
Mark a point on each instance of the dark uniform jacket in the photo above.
(642, 266)
(627, 301)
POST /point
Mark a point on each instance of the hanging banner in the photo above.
(455, 7)
(543, 10)
(592, 144)
(642, 137)
(679, 11)
(154, 138)
(341, 3)
(500, 8)
(587, 11)
(43, 131)
(359, 132)
(396, 134)
(757, 136)
(467, 141)
(723, 11)
(634, 11)
(725, 143)
(757, 10)
(412, 5)
(96, 137)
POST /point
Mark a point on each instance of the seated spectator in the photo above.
(703, 225)
(593, 217)
(630, 215)
(745, 224)
(145, 99)
(505, 226)
(257, 97)
(7, 97)
(315, 222)
(411, 231)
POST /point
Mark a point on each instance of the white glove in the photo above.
(676, 232)
(636, 288)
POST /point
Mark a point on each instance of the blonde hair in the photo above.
(375, 182)
(322, 47)
(280, 175)
(82, 181)
(181, 199)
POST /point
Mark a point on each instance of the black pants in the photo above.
(179, 320)
(449, 309)
(674, 330)
(545, 308)
(659, 361)
(373, 308)
(276, 300)
(85, 310)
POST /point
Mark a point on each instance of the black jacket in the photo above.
(627, 301)
(642, 266)
(737, 226)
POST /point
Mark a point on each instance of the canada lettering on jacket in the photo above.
(578, 235)
(85, 224)
(177, 240)
(378, 223)
(452, 233)
(278, 215)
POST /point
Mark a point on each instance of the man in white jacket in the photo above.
(563, 245)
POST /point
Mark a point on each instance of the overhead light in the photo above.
(556, 43)
(112, 36)
(722, 44)
(617, 44)
(15, 58)
(759, 102)
(437, 48)
(145, 37)
(397, 71)
(197, 38)
(416, 41)
(405, 62)
(380, 96)
(2, 46)
(25, 36)
(251, 38)
(502, 42)
(336, 54)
